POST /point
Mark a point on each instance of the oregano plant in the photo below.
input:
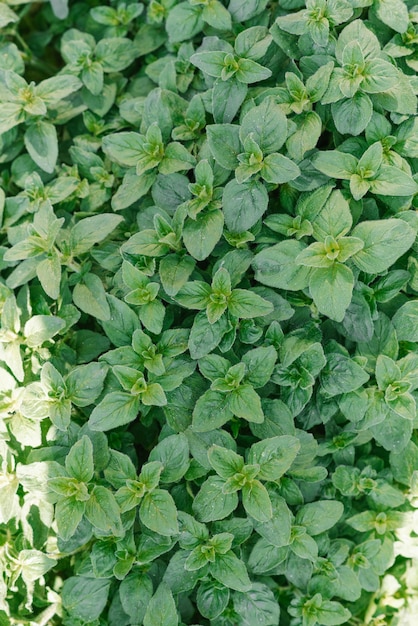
(208, 313)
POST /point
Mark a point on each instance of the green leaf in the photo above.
(215, 14)
(85, 383)
(68, 514)
(152, 316)
(405, 321)
(211, 599)
(133, 188)
(201, 235)
(247, 304)
(251, 72)
(173, 453)
(243, 204)
(90, 297)
(242, 10)
(154, 395)
(318, 517)
(305, 547)
(404, 405)
(175, 271)
(158, 512)
(119, 469)
(245, 402)
(49, 274)
(194, 295)
(335, 164)
(277, 531)
(331, 289)
(177, 577)
(393, 433)
(231, 572)
(358, 322)
(227, 97)
(306, 136)
(183, 22)
(275, 266)
(379, 76)
(260, 364)
(256, 501)
(210, 62)
(333, 218)
(204, 337)
(384, 242)
(311, 204)
(392, 181)
(371, 160)
(403, 463)
(85, 598)
(214, 366)
(215, 310)
(11, 115)
(253, 42)
(211, 411)
(41, 142)
(389, 285)
(102, 511)
(316, 255)
(93, 78)
(317, 83)
(224, 144)
(342, 375)
(257, 606)
(279, 169)
(352, 115)
(176, 158)
(150, 474)
(60, 414)
(135, 592)
(91, 230)
(267, 124)
(332, 613)
(358, 31)
(79, 460)
(161, 609)
(387, 372)
(274, 456)
(211, 503)
(225, 462)
(115, 53)
(393, 13)
(122, 323)
(116, 409)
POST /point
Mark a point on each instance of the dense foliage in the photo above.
(209, 312)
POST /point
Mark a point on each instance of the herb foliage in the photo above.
(209, 312)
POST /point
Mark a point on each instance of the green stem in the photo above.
(24, 45)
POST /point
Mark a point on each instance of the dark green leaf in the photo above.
(211, 503)
(161, 609)
(244, 204)
(231, 572)
(158, 512)
(224, 144)
(85, 598)
(116, 409)
(317, 517)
